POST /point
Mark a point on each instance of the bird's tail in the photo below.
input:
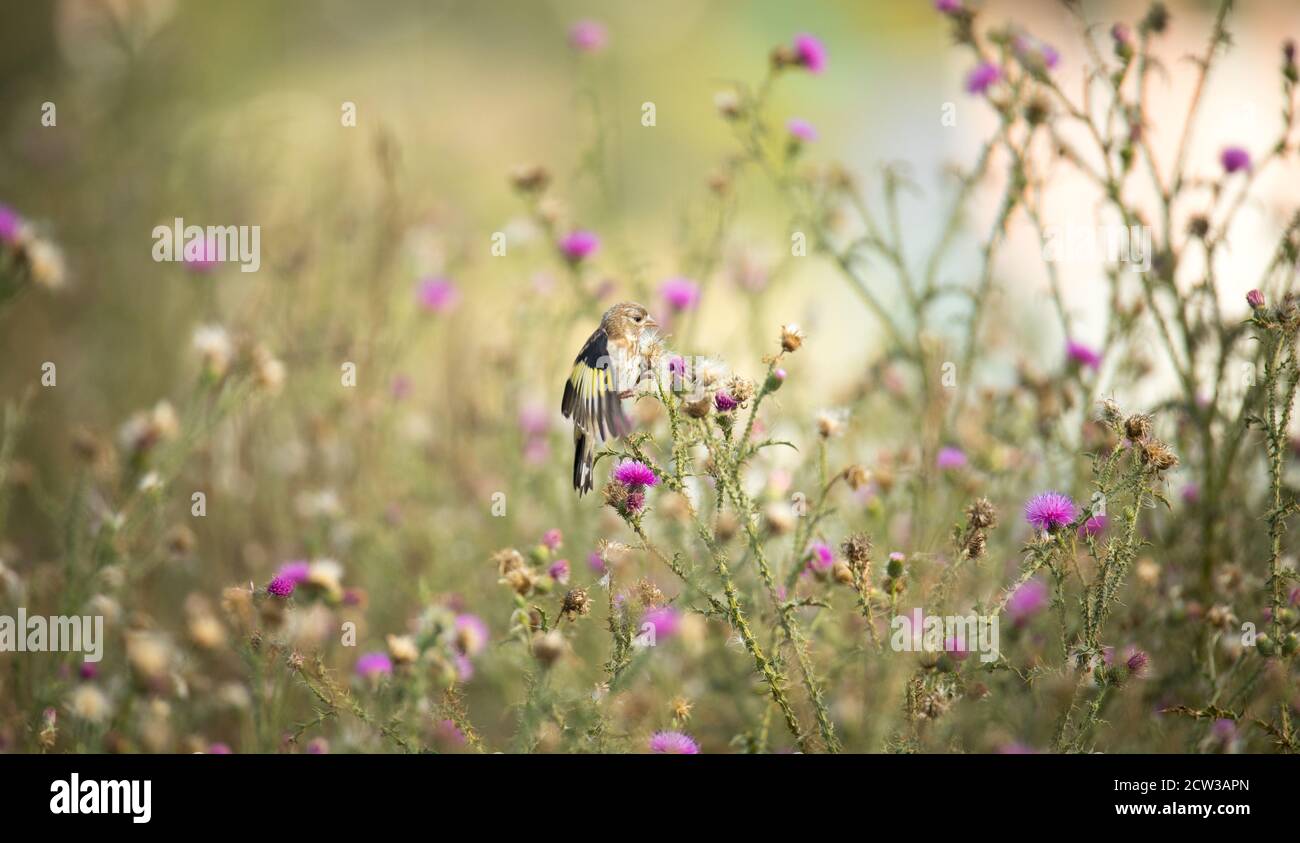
(584, 459)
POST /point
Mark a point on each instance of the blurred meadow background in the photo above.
(374, 414)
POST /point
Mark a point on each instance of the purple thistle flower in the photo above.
(680, 293)
(588, 36)
(673, 743)
(373, 665)
(1082, 355)
(950, 458)
(88, 670)
(1191, 493)
(635, 502)
(1027, 601)
(1093, 526)
(1050, 511)
(10, 224)
(983, 77)
(664, 619)
(801, 130)
(810, 53)
(1224, 729)
(596, 563)
(1035, 54)
(955, 650)
(559, 571)
(635, 474)
(219, 748)
(318, 746)
(823, 558)
(579, 245)
(296, 571)
(447, 732)
(1255, 299)
(552, 538)
(534, 420)
(1234, 159)
(280, 586)
(437, 295)
(1137, 663)
(471, 634)
(200, 256)
(948, 7)
(724, 402)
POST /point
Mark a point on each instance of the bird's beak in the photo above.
(650, 324)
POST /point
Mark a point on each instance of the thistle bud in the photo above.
(1255, 299)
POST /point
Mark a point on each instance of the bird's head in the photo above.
(628, 321)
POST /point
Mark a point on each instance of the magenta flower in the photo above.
(588, 36)
(680, 293)
(724, 402)
(1035, 54)
(559, 571)
(1081, 354)
(635, 502)
(1235, 158)
(948, 7)
(296, 571)
(1027, 601)
(673, 743)
(801, 130)
(280, 586)
(955, 649)
(534, 420)
(219, 748)
(810, 53)
(374, 665)
(579, 245)
(318, 746)
(200, 256)
(1137, 662)
(448, 733)
(1255, 299)
(10, 224)
(1191, 493)
(1093, 526)
(437, 295)
(983, 77)
(664, 619)
(951, 458)
(596, 562)
(552, 538)
(634, 474)
(822, 557)
(471, 634)
(1225, 729)
(1050, 511)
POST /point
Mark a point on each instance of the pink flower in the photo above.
(552, 538)
(374, 665)
(1027, 601)
(559, 571)
(823, 558)
(438, 295)
(810, 53)
(950, 458)
(1255, 299)
(673, 743)
(801, 130)
(579, 245)
(10, 224)
(280, 586)
(1093, 526)
(983, 77)
(596, 562)
(471, 634)
(680, 293)
(664, 619)
(296, 571)
(635, 474)
(588, 36)
(1082, 355)
(948, 7)
(1050, 511)
(724, 402)
(400, 387)
(200, 256)
(1235, 158)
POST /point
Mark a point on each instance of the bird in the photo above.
(605, 372)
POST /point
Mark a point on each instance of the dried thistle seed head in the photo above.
(829, 423)
(1137, 427)
(1156, 20)
(1158, 455)
(519, 580)
(1037, 111)
(507, 560)
(402, 649)
(976, 544)
(740, 389)
(548, 647)
(1198, 226)
(726, 527)
(575, 603)
(681, 708)
(1110, 412)
(857, 476)
(857, 549)
(648, 594)
(615, 495)
(982, 514)
(180, 541)
(530, 178)
(791, 337)
(728, 104)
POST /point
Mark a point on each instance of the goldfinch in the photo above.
(604, 373)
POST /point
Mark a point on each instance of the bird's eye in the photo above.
(639, 319)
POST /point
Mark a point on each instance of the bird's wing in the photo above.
(591, 393)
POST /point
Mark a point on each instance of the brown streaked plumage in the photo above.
(605, 372)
